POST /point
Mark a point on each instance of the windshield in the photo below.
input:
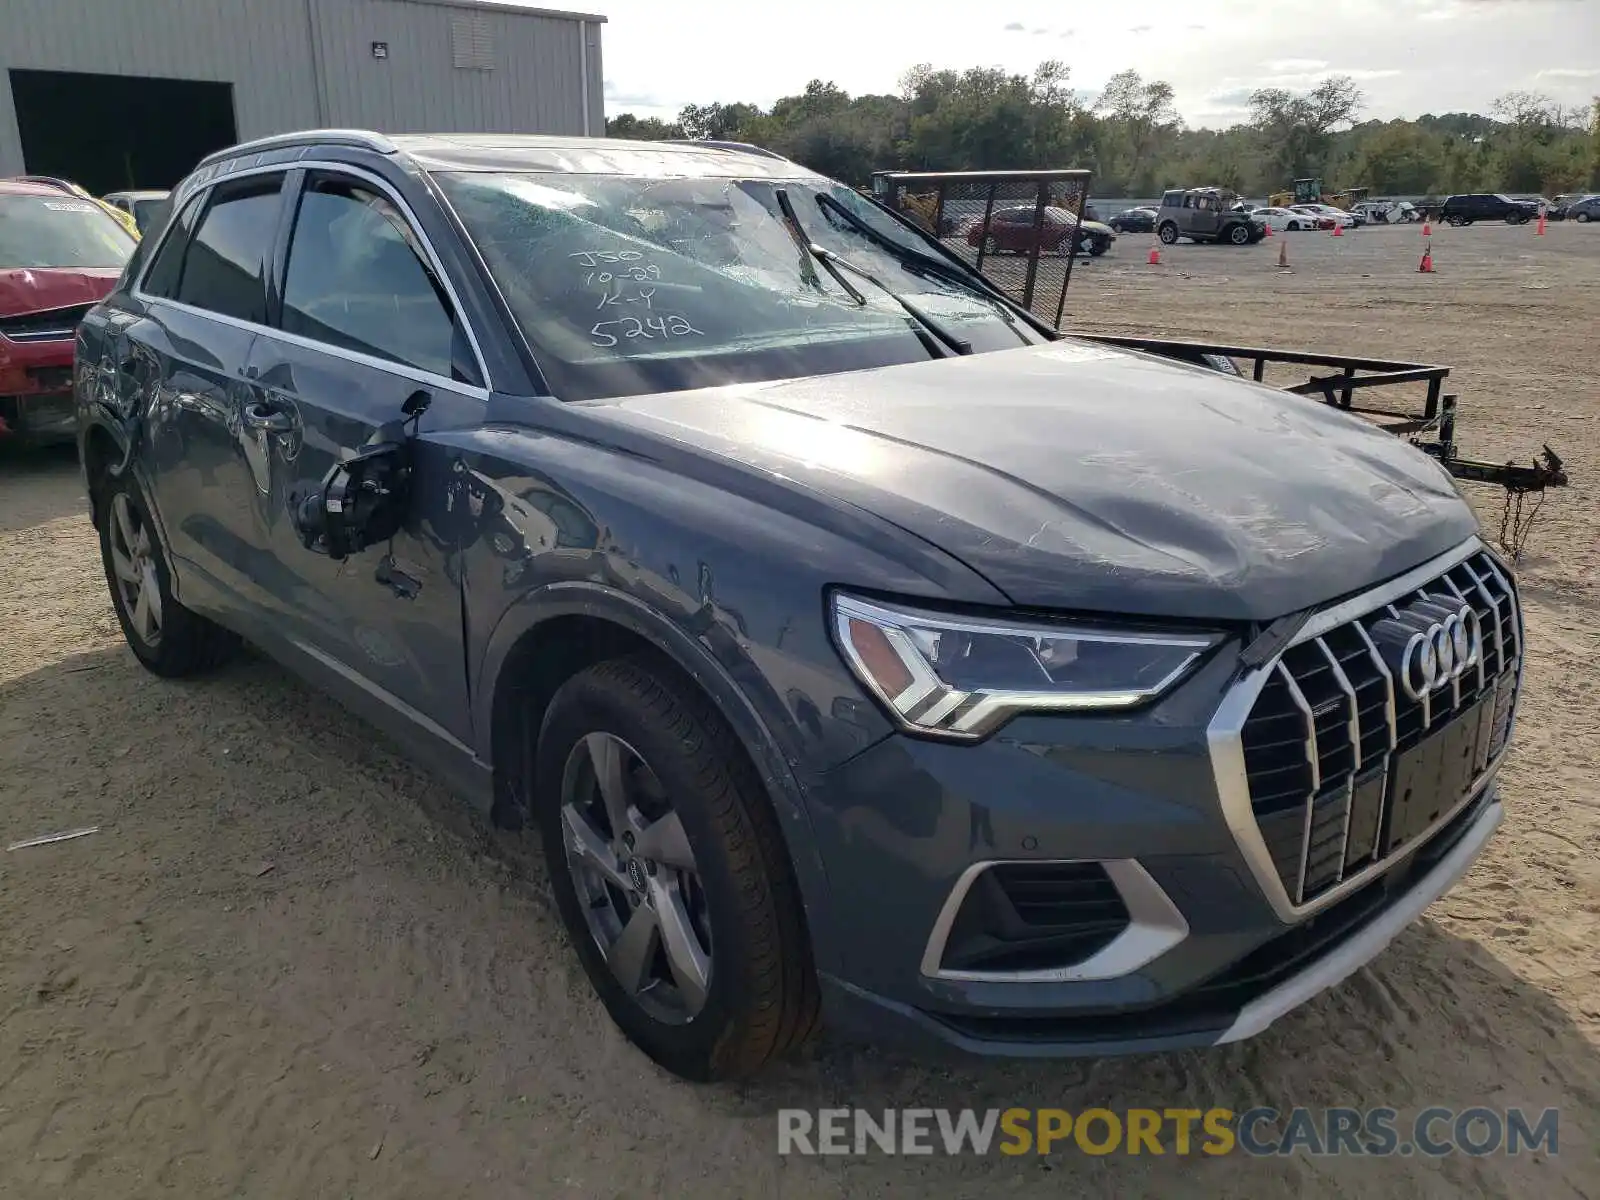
(59, 231)
(628, 285)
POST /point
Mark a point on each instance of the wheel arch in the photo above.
(558, 630)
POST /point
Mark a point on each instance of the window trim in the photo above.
(207, 198)
(307, 183)
(365, 178)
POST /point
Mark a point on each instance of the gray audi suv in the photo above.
(861, 651)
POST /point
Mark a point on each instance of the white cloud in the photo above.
(1569, 73)
(1294, 66)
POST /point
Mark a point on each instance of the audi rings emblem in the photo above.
(1437, 653)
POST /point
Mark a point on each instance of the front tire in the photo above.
(1583, 218)
(1239, 235)
(670, 873)
(1098, 246)
(1168, 234)
(167, 638)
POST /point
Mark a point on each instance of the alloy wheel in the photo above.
(134, 565)
(636, 878)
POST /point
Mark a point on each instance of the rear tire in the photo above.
(167, 638)
(744, 992)
(991, 246)
(1582, 218)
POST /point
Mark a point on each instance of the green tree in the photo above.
(647, 129)
(1398, 158)
(1296, 129)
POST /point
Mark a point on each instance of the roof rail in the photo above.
(359, 138)
(736, 147)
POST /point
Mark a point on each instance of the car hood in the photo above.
(36, 289)
(1099, 227)
(1072, 476)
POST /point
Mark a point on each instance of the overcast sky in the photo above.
(1409, 56)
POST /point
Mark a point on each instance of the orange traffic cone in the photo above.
(1427, 229)
(1540, 231)
(1269, 228)
(1155, 254)
(1338, 229)
(1426, 268)
(1283, 254)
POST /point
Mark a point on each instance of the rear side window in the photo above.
(162, 277)
(223, 266)
(356, 279)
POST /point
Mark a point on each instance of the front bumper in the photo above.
(1148, 821)
(853, 1011)
(36, 400)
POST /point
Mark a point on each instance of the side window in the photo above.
(224, 264)
(354, 279)
(162, 277)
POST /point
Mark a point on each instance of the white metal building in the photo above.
(131, 93)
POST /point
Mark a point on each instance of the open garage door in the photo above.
(109, 132)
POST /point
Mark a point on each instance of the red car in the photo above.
(59, 256)
(1011, 230)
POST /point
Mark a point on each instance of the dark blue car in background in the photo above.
(860, 648)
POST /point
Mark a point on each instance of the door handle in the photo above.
(266, 418)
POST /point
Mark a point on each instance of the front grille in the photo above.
(51, 325)
(1344, 768)
(1034, 916)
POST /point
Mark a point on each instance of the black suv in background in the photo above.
(860, 648)
(1464, 210)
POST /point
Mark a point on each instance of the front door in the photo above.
(204, 301)
(363, 328)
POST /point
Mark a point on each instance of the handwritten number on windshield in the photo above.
(631, 328)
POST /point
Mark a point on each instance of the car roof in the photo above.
(16, 187)
(589, 156)
(139, 194)
(536, 152)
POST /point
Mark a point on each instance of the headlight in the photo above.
(964, 677)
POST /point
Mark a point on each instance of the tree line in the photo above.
(1131, 137)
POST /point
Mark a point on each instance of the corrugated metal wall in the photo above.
(531, 79)
(275, 53)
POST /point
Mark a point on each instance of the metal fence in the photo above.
(1021, 229)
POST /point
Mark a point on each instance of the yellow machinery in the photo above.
(1309, 191)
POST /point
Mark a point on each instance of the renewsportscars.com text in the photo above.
(1319, 1132)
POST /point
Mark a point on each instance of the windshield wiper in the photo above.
(924, 264)
(837, 266)
(809, 250)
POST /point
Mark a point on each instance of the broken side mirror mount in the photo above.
(361, 502)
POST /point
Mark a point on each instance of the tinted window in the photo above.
(162, 278)
(59, 231)
(355, 280)
(224, 264)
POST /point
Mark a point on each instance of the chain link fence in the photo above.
(1020, 229)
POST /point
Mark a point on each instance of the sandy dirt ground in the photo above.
(289, 965)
